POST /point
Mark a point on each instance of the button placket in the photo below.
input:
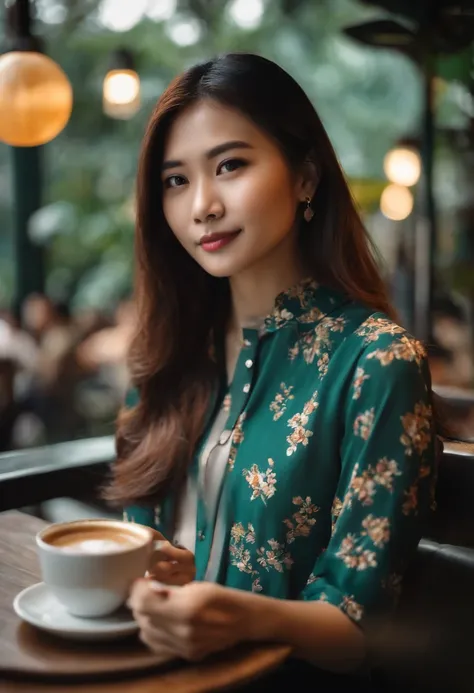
(239, 395)
(242, 383)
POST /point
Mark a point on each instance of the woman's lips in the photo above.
(216, 241)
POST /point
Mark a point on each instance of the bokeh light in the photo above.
(35, 99)
(396, 202)
(402, 165)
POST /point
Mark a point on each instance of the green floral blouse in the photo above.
(331, 470)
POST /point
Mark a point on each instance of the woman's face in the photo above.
(229, 196)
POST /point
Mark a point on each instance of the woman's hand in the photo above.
(191, 622)
(172, 565)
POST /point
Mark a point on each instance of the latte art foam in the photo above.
(94, 545)
(94, 540)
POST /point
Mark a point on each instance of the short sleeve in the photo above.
(388, 470)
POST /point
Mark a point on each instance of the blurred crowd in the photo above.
(62, 376)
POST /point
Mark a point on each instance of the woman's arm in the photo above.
(388, 469)
(319, 632)
(202, 618)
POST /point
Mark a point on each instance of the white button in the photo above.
(249, 363)
(246, 388)
(247, 343)
(224, 437)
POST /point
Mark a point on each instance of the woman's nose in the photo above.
(207, 205)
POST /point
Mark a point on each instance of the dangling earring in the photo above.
(308, 212)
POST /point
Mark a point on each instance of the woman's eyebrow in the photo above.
(215, 151)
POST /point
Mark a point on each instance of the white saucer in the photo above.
(37, 606)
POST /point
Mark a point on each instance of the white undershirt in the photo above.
(212, 465)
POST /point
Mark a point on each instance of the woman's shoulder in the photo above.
(376, 344)
(374, 330)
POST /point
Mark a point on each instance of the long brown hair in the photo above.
(180, 307)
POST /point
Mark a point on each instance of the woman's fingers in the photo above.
(164, 568)
(147, 597)
(180, 578)
(169, 552)
(172, 564)
(158, 645)
(158, 536)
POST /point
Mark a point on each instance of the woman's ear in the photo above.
(308, 181)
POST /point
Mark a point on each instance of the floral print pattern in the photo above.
(363, 424)
(378, 529)
(404, 350)
(352, 550)
(312, 578)
(375, 327)
(332, 477)
(364, 486)
(317, 342)
(240, 555)
(359, 379)
(237, 439)
(354, 610)
(311, 316)
(263, 484)
(300, 436)
(302, 520)
(275, 557)
(417, 429)
(298, 422)
(410, 503)
(354, 555)
(336, 510)
(279, 318)
(280, 402)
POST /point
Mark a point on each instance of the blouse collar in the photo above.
(304, 302)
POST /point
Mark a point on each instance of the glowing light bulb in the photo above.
(396, 202)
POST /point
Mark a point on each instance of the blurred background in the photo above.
(394, 84)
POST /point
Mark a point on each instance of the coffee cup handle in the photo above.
(156, 547)
(159, 543)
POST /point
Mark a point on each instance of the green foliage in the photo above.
(367, 99)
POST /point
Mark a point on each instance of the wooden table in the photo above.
(19, 569)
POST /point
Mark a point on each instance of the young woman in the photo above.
(280, 431)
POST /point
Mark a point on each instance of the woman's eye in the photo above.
(230, 165)
(174, 181)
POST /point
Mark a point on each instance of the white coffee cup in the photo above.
(90, 565)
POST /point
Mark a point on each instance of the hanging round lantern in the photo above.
(121, 87)
(35, 99)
